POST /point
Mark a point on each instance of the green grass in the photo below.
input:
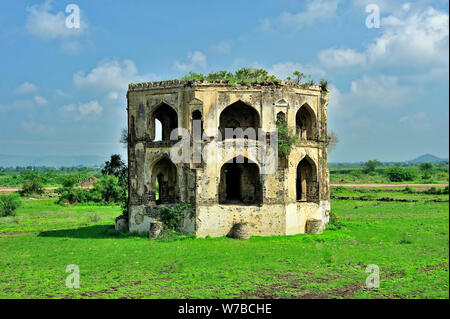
(379, 176)
(409, 240)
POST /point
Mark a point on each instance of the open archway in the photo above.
(307, 187)
(305, 122)
(239, 115)
(167, 118)
(164, 181)
(240, 182)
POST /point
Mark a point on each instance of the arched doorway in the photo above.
(240, 182)
(164, 181)
(305, 122)
(239, 115)
(167, 118)
(307, 187)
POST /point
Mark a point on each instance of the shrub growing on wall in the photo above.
(286, 137)
(171, 216)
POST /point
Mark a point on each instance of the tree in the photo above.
(399, 174)
(32, 184)
(426, 169)
(323, 85)
(116, 167)
(333, 140)
(298, 77)
(370, 166)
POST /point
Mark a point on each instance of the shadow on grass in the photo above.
(108, 231)
(96, 231)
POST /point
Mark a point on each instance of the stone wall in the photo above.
(199, 183)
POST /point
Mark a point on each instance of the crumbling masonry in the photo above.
(224, 192)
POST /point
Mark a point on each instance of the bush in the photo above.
(370, 166)
(399, 174)
(286, 137)
(171, 216)
(8, 205)
(108, 189)
(76, 195)
(70, 181)
(32, 185)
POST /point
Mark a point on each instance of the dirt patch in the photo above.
(291, 280)
(89, 182)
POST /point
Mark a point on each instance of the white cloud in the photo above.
(283, 70)
(341, 58)
(380, 91)
(40, 100)
(90, 109)
(376, 92)
(108, 75)
(195, 60)
(26, 88)
(315, 11)
(112, 95)
(82, 111)
(223, 47)
(408, 39)
(44, 24)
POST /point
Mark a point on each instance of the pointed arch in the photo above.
(305, 122)
(167, 116)
(164, 180)
(241, 114)
(307, 188)
(240, 182)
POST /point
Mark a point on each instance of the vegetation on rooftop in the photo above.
(254, 75)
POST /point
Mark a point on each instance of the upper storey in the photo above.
(219, 105)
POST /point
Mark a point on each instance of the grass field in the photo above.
(409, 242)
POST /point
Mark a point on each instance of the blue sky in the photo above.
(63, 91)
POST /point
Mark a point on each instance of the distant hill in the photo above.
(427, 158)
(52, 161)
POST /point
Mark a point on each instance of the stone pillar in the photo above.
(240, 231)
(156, 228)
(314, 226)
(121, 223)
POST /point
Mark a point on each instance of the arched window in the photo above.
(306, 185)
(197, 118)
(240, 182)
(164, 181)
(239, 115)
(305, 122)
(168, 120)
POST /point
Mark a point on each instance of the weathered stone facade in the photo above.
(222, 193)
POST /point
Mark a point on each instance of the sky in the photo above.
(63, 86)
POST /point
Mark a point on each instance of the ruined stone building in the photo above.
(235, 187)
